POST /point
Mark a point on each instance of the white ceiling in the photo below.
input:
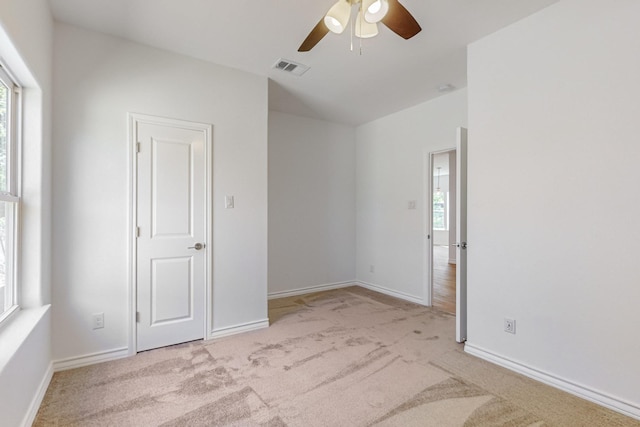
(341, 86)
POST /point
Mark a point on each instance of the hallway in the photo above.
(444, 280)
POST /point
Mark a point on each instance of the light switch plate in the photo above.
(228, 202)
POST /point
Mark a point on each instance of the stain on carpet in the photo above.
(452, 388)
(499, 412)
(301, 362)
(352, 342)
(230, 409)
(130, 405)
(274, 422)
(185, 362)
(206, 382)
(340, 307)
(364, 362)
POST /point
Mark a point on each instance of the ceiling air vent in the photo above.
(290, 67)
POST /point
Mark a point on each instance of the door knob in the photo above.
(197, 246)
(462, 245)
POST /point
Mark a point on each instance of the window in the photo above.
(440, 210)
(9, 196)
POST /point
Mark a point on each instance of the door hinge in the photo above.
(137, 317)
(137, 147)
(428, 236)
(137, 231)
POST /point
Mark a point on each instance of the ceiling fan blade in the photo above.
(318, 32)
(400, 21)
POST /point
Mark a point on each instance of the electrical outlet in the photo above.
(372, 269)
(510, 325)
(98, 320)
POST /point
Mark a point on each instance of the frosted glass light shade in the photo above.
(375, 10)
(337, 18)
(365, 29)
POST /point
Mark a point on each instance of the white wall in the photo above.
(98, 79)
(25, 340)
(554, 107)
(311, 203)
(392, 154)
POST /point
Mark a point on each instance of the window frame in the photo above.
(12, 195)
(445, 211)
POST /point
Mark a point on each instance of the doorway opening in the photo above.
(443, 230)
(446, 273)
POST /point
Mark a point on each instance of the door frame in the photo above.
(133, 120)
(428, 225)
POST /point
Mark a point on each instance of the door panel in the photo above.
(171, 186)
(171, 216)
(171, 290)
(461, 241)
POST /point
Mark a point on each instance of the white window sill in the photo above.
(5, 319)
(16, 329)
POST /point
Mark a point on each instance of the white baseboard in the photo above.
(311, 289)
(238, 329)
(396, 294)
(452, 261)
(32, 412)
(90, 359)
(613, 403)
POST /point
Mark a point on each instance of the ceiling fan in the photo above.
(390, 12)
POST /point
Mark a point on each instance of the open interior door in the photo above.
(461, 240)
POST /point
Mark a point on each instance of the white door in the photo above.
(171, 247)
(461, 244)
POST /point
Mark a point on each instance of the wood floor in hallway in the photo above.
(444, 280)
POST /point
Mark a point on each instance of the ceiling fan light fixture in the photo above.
(375, 10)
(390, 13)
(365, 29)
(337, 18)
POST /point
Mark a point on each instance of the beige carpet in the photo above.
(348, 357)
